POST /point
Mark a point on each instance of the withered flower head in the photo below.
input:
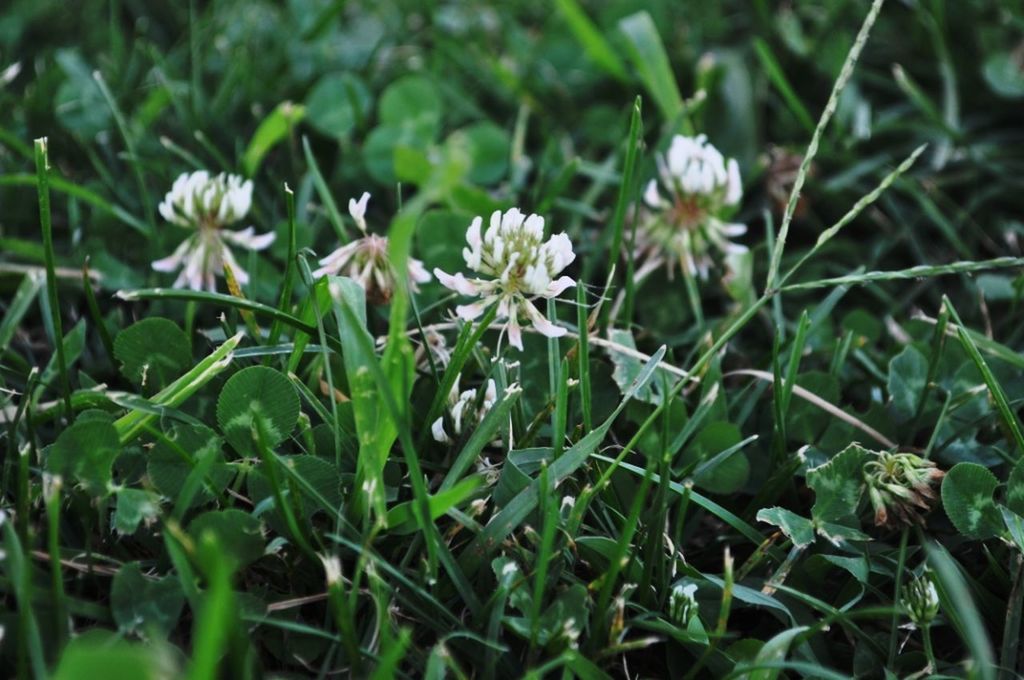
(901, 487)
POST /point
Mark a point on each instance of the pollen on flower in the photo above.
(683, 214)
(366, 260)
(206, 204)
(516, 265)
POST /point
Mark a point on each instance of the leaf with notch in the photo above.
(86, 452)
(257, 392)
(143, 605)
(838, 485)
(153, 352)
(967, 499)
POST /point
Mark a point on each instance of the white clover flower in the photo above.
(523, 265)
(465, 411)
(700, 186)
(366, 260)
(920, 599)
(207, 204)
(682, 603)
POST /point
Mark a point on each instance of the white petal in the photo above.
(734, 186)
(247, 238)
(490, 394)
(733, 229)
(357, 209)
(651, 195)
(474, 254)
(437, 430)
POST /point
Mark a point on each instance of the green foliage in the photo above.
(245, 482)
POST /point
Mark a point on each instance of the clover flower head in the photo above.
(683, 216)
(900, 486)
(366, 260)
(682, 605)
(207, 203)
(434, 345)
(465, 411)
(920, 599)
(516, 265)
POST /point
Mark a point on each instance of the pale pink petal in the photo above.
(515, 334)
(556, 288)
(472, 311)
(540, 322)
(241, 275)
(458, 283)
(417, 272)
(173, 261)
(340, 256)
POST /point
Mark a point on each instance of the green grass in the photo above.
(246, 483)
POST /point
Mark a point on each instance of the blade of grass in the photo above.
(918, 272)
(129, 142)
(778, 77)
(57, 335)
(19, 305)
(1006, 413)
(627, 191)
(324, 192)
(289, 273)
(72, 189)
(812, 148)
(647, 52)
(590, 38)
(959, 606)
(30, 658)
